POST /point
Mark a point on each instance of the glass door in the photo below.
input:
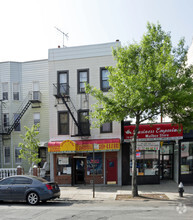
(166, 166)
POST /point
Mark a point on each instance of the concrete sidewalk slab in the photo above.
(109, 192)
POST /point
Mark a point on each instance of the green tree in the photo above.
(150, 78)
(30, 145)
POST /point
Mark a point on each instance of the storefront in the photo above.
(73, 161)
(186, 158)
(157, 153)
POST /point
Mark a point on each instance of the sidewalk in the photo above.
(109, 192)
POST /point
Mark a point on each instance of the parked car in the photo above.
(31, 189)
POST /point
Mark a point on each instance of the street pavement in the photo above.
(109, 192)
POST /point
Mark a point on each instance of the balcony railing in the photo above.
(61, 89)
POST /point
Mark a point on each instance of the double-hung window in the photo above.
(5, 91)
(84, 121)
(63, 87)
(83, 77)
(17, 153)
(104, 75)
(5, 121)
(37, 119)
(15, 91)
(7, 155)
(63, 123)
(17, 121)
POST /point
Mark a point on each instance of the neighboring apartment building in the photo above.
(24, 102)
(71, 137)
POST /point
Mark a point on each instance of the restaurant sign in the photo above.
(69, 146)
(153, 132)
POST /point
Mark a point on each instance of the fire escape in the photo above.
(32, 97)
(62, 92)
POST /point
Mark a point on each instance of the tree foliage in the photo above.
(150, 78)
(30, 145)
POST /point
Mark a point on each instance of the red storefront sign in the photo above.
(154, 132)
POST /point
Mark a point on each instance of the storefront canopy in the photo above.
(80, 146)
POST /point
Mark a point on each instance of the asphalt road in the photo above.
(101, 210)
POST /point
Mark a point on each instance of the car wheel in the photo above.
(32, 198)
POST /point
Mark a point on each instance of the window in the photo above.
(37, 119)
(84, 122)
(6, 121)
(5, 91)
(147, 162)
(36, 90)
(63, 123)
(15, 91)
(7, 181)
(98, 164)
(83, 77)
(17, 153)
(187, 158)
(7, 154)
(63, 165)
(22, 180)
(63, 87)
(104, 79)
(17, 126)
(106, 128)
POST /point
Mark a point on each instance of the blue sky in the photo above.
(28, 26)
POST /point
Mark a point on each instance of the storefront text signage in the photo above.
(148, 145)
(153, 132)
(72, 146)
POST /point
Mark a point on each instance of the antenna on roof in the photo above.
(64, 34)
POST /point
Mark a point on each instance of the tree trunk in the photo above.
(134, 162)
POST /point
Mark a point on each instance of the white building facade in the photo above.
(24, 102)
(71, 138)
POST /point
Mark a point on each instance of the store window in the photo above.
(147, 162)
(63, 165)
(187, 158)
(98, 169)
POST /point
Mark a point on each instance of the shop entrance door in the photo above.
(79, 171)
(166, 166)
(111, 170)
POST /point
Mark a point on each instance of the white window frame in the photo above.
(36, 118)
(5, 89)
(17, 90)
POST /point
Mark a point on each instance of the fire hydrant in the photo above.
(181, 189)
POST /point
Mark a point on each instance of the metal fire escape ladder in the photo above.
(64, 95)
(20, 112)
(70, 112)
